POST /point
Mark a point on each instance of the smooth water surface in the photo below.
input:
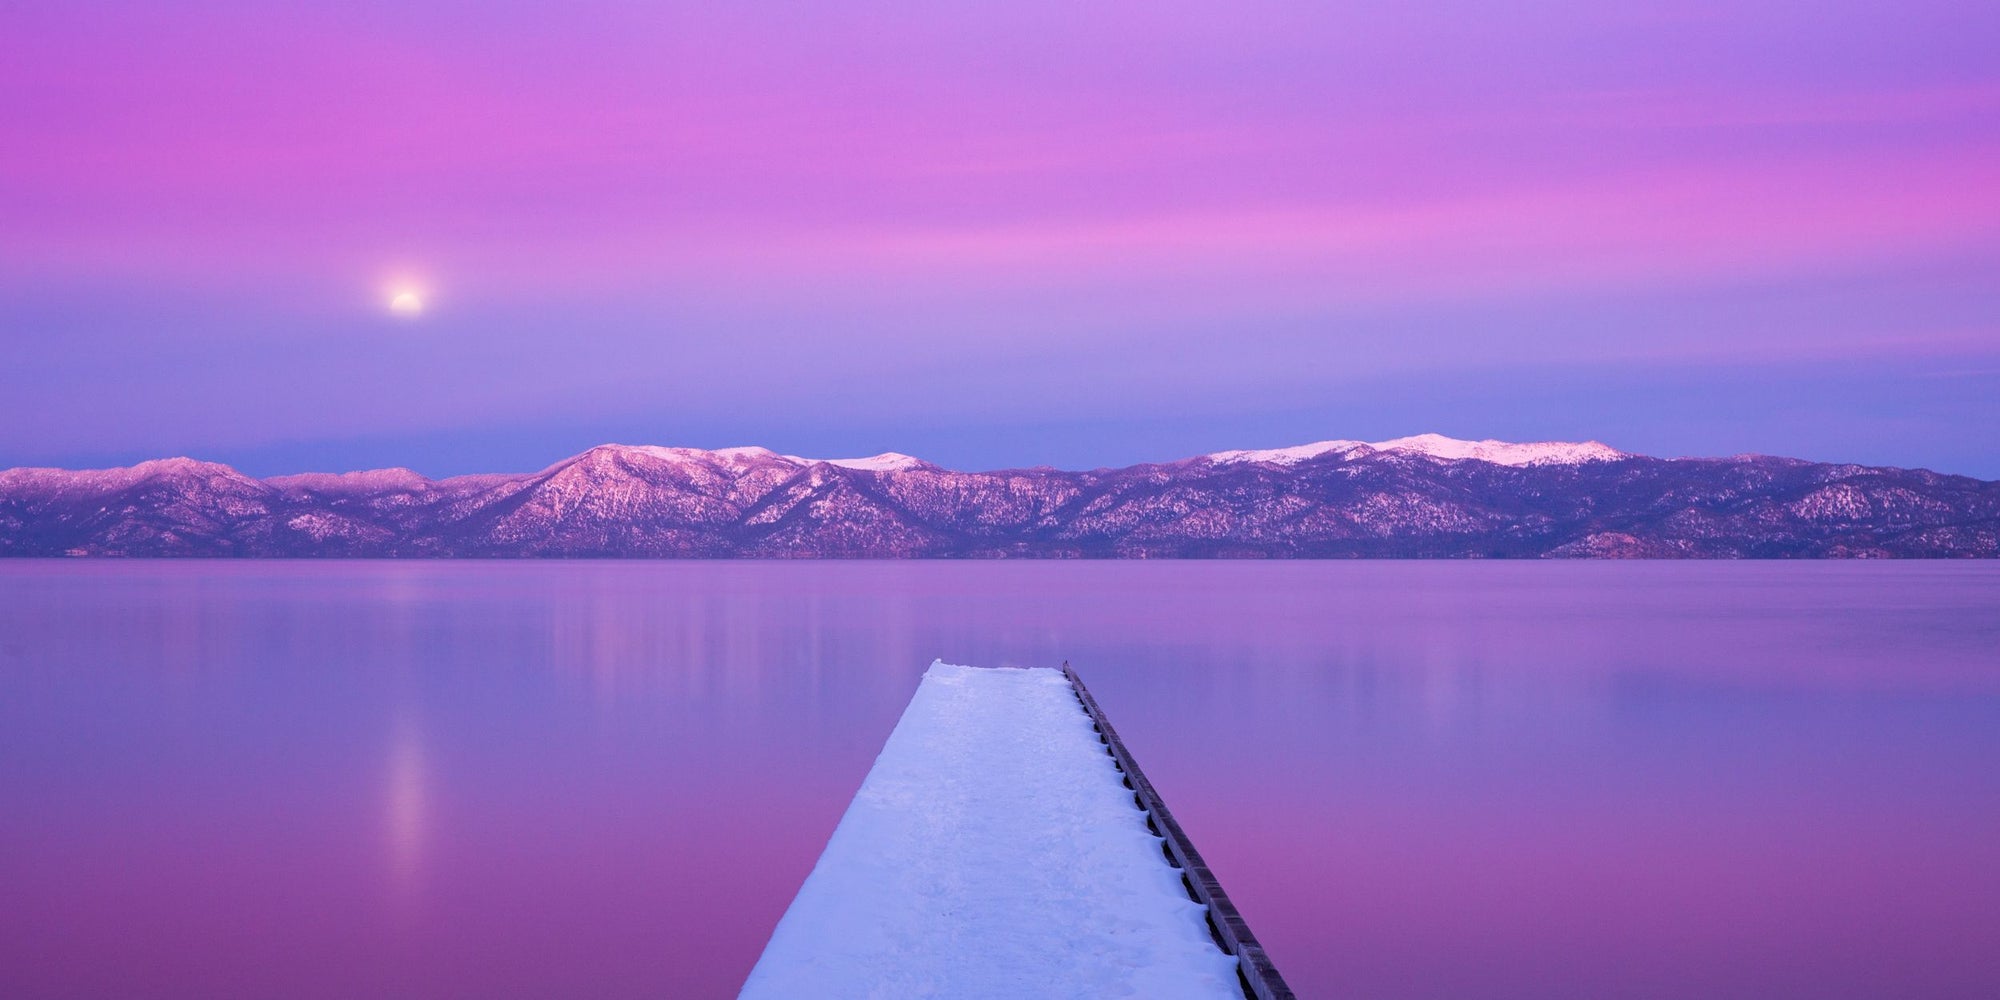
(607, 779)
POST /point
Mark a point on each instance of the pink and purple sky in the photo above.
(996, 234)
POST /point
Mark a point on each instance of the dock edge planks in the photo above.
(1259, 977)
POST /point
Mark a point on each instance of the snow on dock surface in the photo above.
(993, 851)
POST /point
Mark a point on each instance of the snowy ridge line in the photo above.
(1254, 970)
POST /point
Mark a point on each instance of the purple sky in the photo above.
(996, 234)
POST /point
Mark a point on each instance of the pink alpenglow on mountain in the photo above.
(1439, 446)
(1426, 496)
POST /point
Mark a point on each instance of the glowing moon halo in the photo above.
(406, 302)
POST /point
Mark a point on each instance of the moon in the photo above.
(406, 302)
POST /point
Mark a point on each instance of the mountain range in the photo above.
(1425, 496)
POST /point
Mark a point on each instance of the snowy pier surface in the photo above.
(1000, 847)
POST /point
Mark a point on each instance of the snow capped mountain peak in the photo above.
(1284, 456)
(181, 465)
(1505, 452)
(366, 481)
(888, 461)
(174, 470)
(735, 457)
(1436, 446)
(730, 461)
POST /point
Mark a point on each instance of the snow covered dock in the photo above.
(1005, 845)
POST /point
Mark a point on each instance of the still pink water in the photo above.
(607, 779)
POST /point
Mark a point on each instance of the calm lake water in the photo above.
(569, 780)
